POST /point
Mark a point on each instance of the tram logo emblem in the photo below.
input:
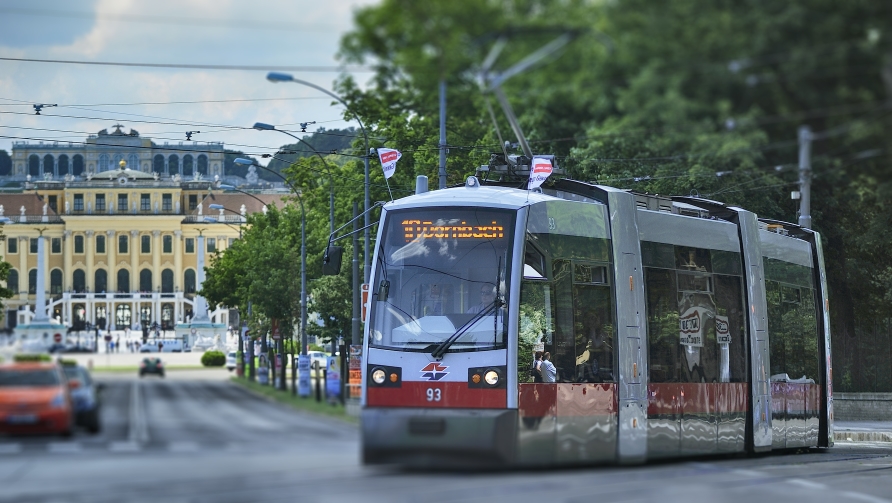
(434, 371)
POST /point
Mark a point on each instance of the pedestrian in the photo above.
(536, 367)
(160, 346)
(118, 344)
(549, 372)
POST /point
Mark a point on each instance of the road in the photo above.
(195, 437)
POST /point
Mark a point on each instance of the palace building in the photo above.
(114, 231)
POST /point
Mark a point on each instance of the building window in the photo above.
(167, 281)
(189, 281)
(122, 203)
(54, 203)
(32, 245)
(231, 240)
(100, 244)
(100, 280)
(12, 246)
(100, 202)
(167, 244)
(78, 202)
(123, 281)
(32, 281)
(193, 202)
(166, 202)
(212, 245)
(12, 281)
(78, 244)
(190, 245)
(145, 202)
(145, 244)
(79, 281)
(56, 246)
(122, 243)
(55, 282)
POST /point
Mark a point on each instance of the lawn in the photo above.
(303, 404)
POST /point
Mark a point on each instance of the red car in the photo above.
(34, 398)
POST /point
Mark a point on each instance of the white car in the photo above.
(318, 360)
(231, 360)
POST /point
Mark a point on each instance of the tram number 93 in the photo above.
(434, 395)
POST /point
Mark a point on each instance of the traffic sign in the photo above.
(365, 301)
(57, 337)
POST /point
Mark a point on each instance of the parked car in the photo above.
(34, 398)
(231, 360)
(84, 396)
(151, 365)
(318, 360)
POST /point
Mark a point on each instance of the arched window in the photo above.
(34, 165)
(104, 163)
(117, 162)
(203, 164)
(77, 165)
(158, 163)
(32, 281)
(100, 281)
(167, 317)
(63, 165)
(12, 281)
(145, 280)
(122, 315)
(133, 162)
(173, 165)
(167, 281)
(189, 281)
(55, 282)
(49, 163)
(123, 281)
(79, 281)
(187, 165)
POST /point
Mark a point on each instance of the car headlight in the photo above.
(378, 376)
(58, 401)
(491, 377)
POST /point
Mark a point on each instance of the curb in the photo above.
(862, 436)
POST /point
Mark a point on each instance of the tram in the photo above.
(676, 327)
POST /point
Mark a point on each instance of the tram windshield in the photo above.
(441, 280)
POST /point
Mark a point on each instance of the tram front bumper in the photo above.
(438, 437)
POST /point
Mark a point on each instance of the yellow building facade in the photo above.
(121, 245)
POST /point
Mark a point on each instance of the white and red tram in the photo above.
(676, 326)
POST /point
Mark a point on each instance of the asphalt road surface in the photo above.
(199, 438)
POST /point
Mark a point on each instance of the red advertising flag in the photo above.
(540, 170)
(388, 158)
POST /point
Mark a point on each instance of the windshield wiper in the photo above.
(441, 349)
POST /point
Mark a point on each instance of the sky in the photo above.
(164, 103)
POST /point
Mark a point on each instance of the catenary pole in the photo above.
(805, 139)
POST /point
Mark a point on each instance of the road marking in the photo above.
(124, 447)
(807, 483)
(10, 448)
(138, 426)
(64, 447)
(183, 447)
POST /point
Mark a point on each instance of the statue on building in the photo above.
(221, 213)
(200, 208)
(23, 210)
(264, 209)
(252, 175)
(1, 210)
(243, 210)
(156, 175)
(67, 207)
(45, 205)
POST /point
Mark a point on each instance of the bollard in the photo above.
(90, 364)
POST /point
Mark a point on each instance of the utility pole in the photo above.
(805, 139)
(357, 308)
(442, 134)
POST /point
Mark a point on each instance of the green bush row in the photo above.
(32, 358)
(213, 359)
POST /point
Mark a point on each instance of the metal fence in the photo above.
(862, 361)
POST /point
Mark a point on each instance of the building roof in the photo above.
(12, 205)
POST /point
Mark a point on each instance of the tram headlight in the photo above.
(491, 377)
(378, 376)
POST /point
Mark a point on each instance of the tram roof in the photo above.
(481, 195)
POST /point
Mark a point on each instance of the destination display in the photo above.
(417, 228)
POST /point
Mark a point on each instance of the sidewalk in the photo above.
(862, 431)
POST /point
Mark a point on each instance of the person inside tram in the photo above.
(548, 370)
(587, 364)
(487, 296)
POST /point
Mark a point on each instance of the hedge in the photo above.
(213, 359)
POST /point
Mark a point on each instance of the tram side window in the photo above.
(696, 322)
(792, 321)
(536, 325)
(583, 347)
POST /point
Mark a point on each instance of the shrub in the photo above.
(213, 359)
(33, 358)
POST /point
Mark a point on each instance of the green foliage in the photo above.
(213, 359)
(32, 358)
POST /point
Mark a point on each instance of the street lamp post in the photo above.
(260, 126)
(303, 252)
(285, 77)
